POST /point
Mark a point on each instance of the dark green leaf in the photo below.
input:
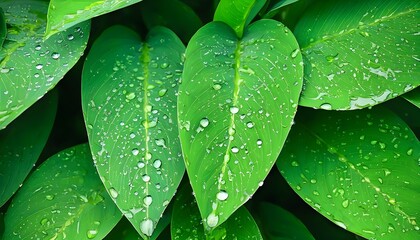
(129, 103)
(63, 14)
(413, 97)
(277, 6)
(3, 28)
(358, 53)
(186, 222)
(29, 66)
(359, 169)
(22, 143)
(279, 224)
(175, 15)
(236, 104)
(236, 13)
(63, 199)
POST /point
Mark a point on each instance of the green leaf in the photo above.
(63, 199)
(275, 8)
(277, 223)
(22, 142)
(64, 14)
(29, 66)
(129, 103)
(176, 15)
(186, 222)
(359, 169)
(3, 28)
(236, 13)
(358, 53)
(236, 104)
(413, 97)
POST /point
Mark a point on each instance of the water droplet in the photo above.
(132, 135)
(410, 152)
(55, 55)
(162, 92)
(326, 106)
(44, 221)
(250, 124)
(135, 152)
(141, 164)
(146, 178)
(148, 156)
(295, 53)
(39, 66)
(234, 110)
(164, 65)
(130, 96)
(259, 142)
(160, 142)
(212, 220)
(295, 164)
(157, 163)
(392, 201)
(217, 87)
(49, 197)
(148, 200)
(222, 195)
(92, 233)
(340, 224)
(70, 37)
(113, 193)
(38, 47)
(345, 203)
(235, 149)
(204, 122)
(146, 227)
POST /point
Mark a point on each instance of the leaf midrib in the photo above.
(352, 166)
(352, 30)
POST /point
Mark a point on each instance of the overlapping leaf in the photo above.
(413, 97)
(63, 14)
(186, 222)
(29, 66)
(359, 169)
(358, 53)
(236, 104)
(21, 144)
(63, 199)
(129, 103)
(3, 29)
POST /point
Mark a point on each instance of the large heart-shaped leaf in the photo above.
(359, 169)
(236, 105)
(129, 103)
(22, 142)
(358, 53)
(63, 14)
(186, 222)
(63, 199)
(29, 66)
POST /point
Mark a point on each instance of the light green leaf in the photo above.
(63, 14)
(413, 97)
(358, 53)
(63, 199)
(3, 28)
(275, 8)
(236, 13)
(359, 169)
(279, 224)
(129, 103)
(22, 142)
(236, 105)
(29, 66)
(186, 222)
(176, 15)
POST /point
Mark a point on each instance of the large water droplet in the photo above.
(295, 53)
(55, 55)
(326, 106)
(204, 122)
(130, 96)
(39, 66)
(148, 200)
(212, 220)
(92, 233)
(113, 193)
(259, 142)
(141, 164)
(250, 124)
(146, 227)
(135, 152)
(146, 178)
(345, 203)
(157, 163)
(160, 142)
(222, 195)
(235, 149)
(234, 110)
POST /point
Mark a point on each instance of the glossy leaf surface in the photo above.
(63, 14)
(129, 103)
(359, 169)
(22, 142)
(413, 97)
(186, 222)
(275, 8)
(29, 66)
(236, 104)
(358, 53)
(63, 199)
(278, 224)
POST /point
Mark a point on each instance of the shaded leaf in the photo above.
(176, 15)
(129, 103)
(359, 169)
(29, 66)
(63, 198)
(413, 97)
(186, 222)
(3, 28)
(22, 142)
(358, 53)
(277, 223)
(236, 104)
(275, 8)
(64, 14)
(236, 13)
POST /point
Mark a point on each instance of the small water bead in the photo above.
(204, 122)
(295, 53)
(141, 164)
(55, 55)
(259, 142)
(113, 193)
(36, 75)
(49, 197)
(130, 96)
(147, 200)
(235, 149)
(146, 178)
(217, 87)
(160, 142)
(250, 124)
(222, 195)
(212, 220)
(135, 152)
(132, 135)
(39, 66)
(326, 106)
(157, 163)
(148, 156)
(146, 227)
(70, 37)
(91, 233)
(38, 47)
(234, 110)
(162, 92)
